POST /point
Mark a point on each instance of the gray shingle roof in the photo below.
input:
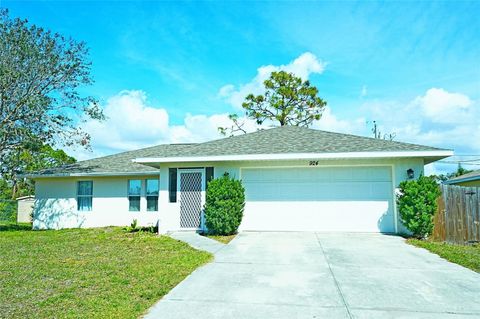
(115, 164)
(293, 139)
(280, 140)
(472, 176)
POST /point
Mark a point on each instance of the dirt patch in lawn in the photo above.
(222, 239)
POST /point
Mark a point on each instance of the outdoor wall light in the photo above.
(410, 173)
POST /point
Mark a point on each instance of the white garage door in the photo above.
(357, 199)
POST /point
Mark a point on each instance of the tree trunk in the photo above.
(14, 189)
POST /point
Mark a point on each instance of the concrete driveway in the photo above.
(319, 275)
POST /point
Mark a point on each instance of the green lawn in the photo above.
(5, 226)
(89, 273)
(467, 256)
(222, 239)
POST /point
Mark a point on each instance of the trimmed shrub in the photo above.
(417, 204)
(225, 200)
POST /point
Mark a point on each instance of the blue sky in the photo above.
(177, 66)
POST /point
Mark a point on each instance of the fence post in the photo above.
(439, 227)
(461, 214)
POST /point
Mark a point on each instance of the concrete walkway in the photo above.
(317, 275)
(197, 241)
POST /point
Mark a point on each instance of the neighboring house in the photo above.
(471, 179)
(25, 209)
(295, 179)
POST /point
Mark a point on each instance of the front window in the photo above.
(152, 195)
(84, 195)
(134, 193)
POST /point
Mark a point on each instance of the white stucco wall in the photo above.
(56, 205)
(399, 173)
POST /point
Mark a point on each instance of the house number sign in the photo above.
(313, 163)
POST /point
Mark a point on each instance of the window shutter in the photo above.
(208, 175)
(172, 184)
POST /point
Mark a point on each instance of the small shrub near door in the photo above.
(417, 203)
(224, 204)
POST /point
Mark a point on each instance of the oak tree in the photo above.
(41, 76)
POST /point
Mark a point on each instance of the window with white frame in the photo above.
(134, 193)
(152, 195)
(84, 195)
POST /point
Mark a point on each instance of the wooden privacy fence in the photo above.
(458, 217)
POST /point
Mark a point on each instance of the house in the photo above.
(25, 208)
(295, 179)
(471, 179)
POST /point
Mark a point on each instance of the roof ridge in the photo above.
(391, 142)
(235, 136)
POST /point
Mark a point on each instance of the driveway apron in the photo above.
(323, 275)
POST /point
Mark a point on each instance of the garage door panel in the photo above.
(324, 174)
(311, 191)
(324, 199)
(356, 216)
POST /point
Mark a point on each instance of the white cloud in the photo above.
(364, 91)
(200, 128)
(129, 120)
(437, 118)
(330, 122)
(133, 123)
(226, 90)
(303, 66)
(444, 107)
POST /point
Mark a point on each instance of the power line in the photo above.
(466, 161)
(472, 160)
(457, 162)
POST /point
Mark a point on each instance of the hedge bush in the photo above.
(8, 211)
(224, 204)
(417, 204)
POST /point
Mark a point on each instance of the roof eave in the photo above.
(429, 156)
(96, 174)
(462, 180)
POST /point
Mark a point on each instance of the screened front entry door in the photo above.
(191, 198)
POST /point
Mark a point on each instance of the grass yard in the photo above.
(89, 273)
(467, 256)
(222, 239)
(15, 226)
